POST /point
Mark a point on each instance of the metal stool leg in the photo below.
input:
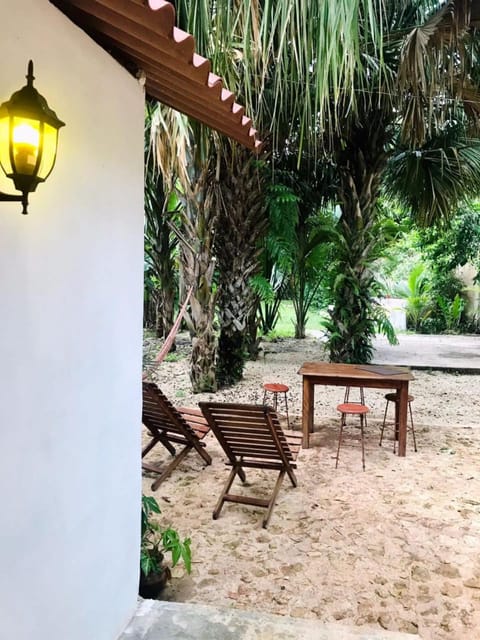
(413, 428)
(283, 389)
(383, 425)
(342, 424)
(274, 398)
(395, 436)
(286, 409)
(363, 426)
(362, 418)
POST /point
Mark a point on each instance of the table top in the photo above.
(355, 371)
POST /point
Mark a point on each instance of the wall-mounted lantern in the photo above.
(28, 140)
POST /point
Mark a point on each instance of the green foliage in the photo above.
(365, 69)
(160, 243)
(454, 244)
(433, 180)
(278, 253)
(423, 263)
(452, 311)
(157, 541)
(285, 326)
(357, 315)
(358, 318)
(417, 292)
(282, 207)
(174, 357)
(316, 235)
(445, 248)
(429, 311)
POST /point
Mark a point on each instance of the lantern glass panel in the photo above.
(5, 145)
(26, 144)
(50, 137)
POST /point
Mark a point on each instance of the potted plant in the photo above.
(156, 542)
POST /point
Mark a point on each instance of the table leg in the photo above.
(401, 408)
(307, 411)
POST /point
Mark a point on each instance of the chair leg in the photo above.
(271, 504)
(166, 443)
(173, 465)
(221, 500)
(383, 425)
(200, 449)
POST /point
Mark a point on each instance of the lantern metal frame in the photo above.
(28, 103)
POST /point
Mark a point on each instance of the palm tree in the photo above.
(416, 79)
(160, 243)
(243, 40)
(393, 66)
(240, 229)
(186, 172)
(349, 75)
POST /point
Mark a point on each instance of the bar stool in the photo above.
(355, 409)
(393, 397)
(276, 388)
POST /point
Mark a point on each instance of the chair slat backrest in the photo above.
(158, 413)
(248, 431)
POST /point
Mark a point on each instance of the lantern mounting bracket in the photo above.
(7, 197)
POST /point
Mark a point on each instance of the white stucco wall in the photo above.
(70, 344)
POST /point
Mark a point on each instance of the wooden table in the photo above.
(355, 375)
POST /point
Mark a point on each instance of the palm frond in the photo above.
(435, 61)
(431, 181)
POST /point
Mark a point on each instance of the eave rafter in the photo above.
(143, 37)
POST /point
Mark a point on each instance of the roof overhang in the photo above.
(142, 36)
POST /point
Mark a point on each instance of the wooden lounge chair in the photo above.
(251, 436)
(170, 426)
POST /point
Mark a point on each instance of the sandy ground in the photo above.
(397, 545)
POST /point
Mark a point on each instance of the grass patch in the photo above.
(285, 327)
(173, 356)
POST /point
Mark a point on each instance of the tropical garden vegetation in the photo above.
(368, 111)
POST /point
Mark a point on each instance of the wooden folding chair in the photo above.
(170, 426)
(251, 436)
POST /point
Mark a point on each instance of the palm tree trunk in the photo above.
(198, 265)
(241, 225)
(360, 164)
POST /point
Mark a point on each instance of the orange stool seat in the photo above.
(352, 408)
(276, 388)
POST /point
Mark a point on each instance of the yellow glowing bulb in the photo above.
(26, 141)
(26, 134)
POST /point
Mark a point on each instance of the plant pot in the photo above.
(152, 585)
